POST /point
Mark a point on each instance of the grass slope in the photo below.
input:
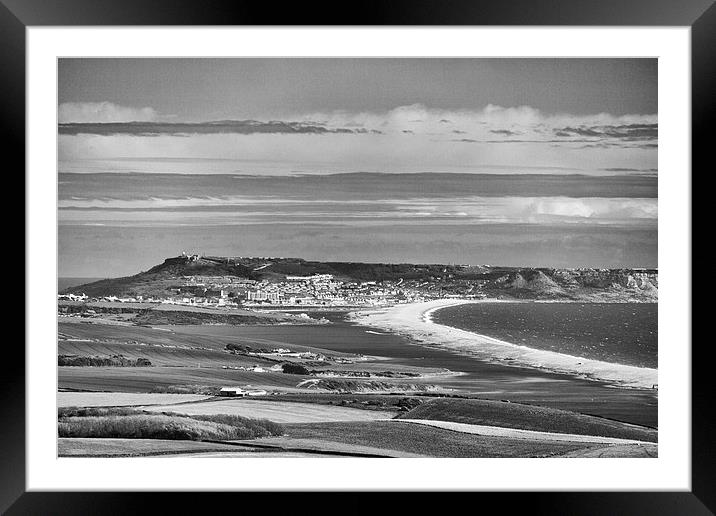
(109, 422)
(526, 417)
(425, 440)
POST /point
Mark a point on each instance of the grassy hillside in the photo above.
(158, 280)
(526, 417)
(132, 423)
(433, 442)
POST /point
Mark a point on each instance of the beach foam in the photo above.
(415, 320)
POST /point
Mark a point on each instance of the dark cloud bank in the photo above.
(214, 127)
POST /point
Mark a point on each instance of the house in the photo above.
(233, 392)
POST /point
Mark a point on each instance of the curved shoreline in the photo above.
(415, 320)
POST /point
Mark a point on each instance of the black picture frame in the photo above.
(17, 15)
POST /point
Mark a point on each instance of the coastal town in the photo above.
(319, 290)
(205, 281)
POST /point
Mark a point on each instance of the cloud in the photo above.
(590, 208)
(416, 119)
(628, 132)
(217, 127)
(412, 138)
(471, 210)
(102, 112)
(484, 124)
(536, 210)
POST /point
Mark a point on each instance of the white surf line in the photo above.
(517, 433)
(415, 320)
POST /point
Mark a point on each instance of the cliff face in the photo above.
(580, 284)
(605, 278)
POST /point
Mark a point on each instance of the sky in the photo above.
(542, 162)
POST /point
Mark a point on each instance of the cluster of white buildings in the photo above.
(311, 291)
(318, 290)
(323, 290)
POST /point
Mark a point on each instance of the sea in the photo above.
(622, 333)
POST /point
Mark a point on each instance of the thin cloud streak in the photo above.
(102, 112)
(638, 212)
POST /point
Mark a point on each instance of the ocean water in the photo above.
(621, 333)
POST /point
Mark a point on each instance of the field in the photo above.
(432, 442)
(319, 422)
(525, 417)
(90, 447)
(149, 379)
(193, 358)
(121, 399)
(161, 356)
(325, 447)
(280, 412)
(168, 337)
(385, 402)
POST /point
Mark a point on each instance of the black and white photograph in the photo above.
(357, 257)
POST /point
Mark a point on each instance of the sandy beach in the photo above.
(414, 320)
